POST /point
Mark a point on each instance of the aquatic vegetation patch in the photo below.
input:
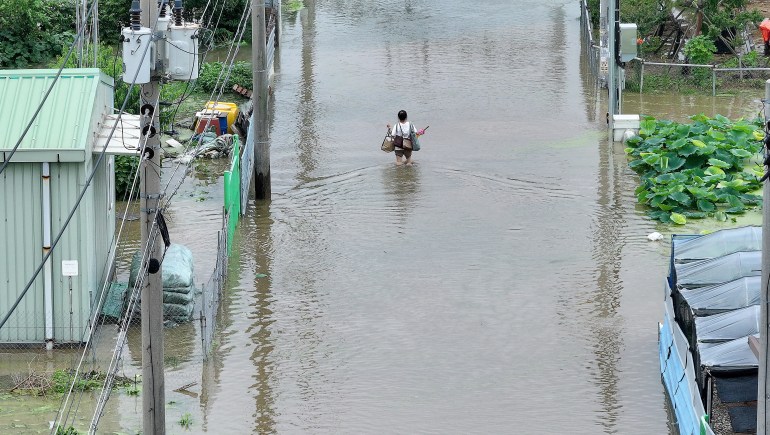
(697, 170)
(185, 420)
(59, 382)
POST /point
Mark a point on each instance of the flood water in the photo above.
(502, 284)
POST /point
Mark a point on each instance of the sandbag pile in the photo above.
(178, 285)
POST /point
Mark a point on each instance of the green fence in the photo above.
(233, 192)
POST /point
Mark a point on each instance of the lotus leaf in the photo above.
(681, 198)
(678, 219)
(719, 163)
(647, 127)
(716, 135)
(706, 205)
(687, 169)
(651, 159)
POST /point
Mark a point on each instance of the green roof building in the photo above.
(39, 188)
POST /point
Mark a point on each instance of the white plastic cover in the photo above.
(732, 295)
(730, 355)
(719, 243)
(718, 270)
(728, 326)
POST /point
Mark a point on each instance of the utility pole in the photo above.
(262, 187)
(612, 77)
(763, 390)
(153, 388)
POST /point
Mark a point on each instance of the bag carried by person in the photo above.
(414, 139)
(398, 141)
(387, 143)
(408, 142)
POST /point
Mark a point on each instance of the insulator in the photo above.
(162, 5)
(136, 15)
(178, 12)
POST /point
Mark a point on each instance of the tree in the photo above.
(722, 19)
(33, 31)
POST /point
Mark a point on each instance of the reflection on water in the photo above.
(501, 284)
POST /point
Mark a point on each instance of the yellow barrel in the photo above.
(231, 109)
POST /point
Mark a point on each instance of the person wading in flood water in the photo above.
(403, 133)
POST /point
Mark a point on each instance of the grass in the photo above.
(68, 431)
(60, 381)
(186, 420)
(294, 5)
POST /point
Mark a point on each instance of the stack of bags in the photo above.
(178, 287)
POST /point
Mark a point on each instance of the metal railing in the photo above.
(592, 50)
(714, 71)
(212, 290)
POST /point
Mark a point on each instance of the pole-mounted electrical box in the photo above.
(628, 41)
(182, 51)
(136, 55)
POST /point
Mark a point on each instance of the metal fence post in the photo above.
(641, 79)
(713, 81)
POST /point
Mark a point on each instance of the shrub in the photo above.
(33, 31)
(211, 76)
(125, 168)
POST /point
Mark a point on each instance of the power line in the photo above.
(80, 196)
(97, 307)
(45, 97)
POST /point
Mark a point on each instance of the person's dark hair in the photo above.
(402, 115)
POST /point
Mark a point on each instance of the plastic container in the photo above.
(230, 109)
(622, 124)
(208, 123)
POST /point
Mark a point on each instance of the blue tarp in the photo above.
(677, 370)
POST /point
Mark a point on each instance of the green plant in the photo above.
(722, 17)
(66, 431)
(125, 170)
(700, 50)
(211, 76)
(33, 31)
(696, 170)
(186, 420)
(296, 5)
(62, 379)
(647, 15)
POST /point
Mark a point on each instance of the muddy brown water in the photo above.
(502, 284)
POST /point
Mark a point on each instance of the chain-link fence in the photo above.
(590, 49)
(641, 73)
(71, 383)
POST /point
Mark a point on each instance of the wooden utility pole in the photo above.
(153, 388)
(763, 390)
(262, 189)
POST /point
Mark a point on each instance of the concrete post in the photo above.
(153, 387)
(763, 416)
(262, 188)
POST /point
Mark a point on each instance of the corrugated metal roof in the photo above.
(64, 121)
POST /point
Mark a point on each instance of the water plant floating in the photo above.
(709, 168)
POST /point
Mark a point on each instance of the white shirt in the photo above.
(401, 129)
